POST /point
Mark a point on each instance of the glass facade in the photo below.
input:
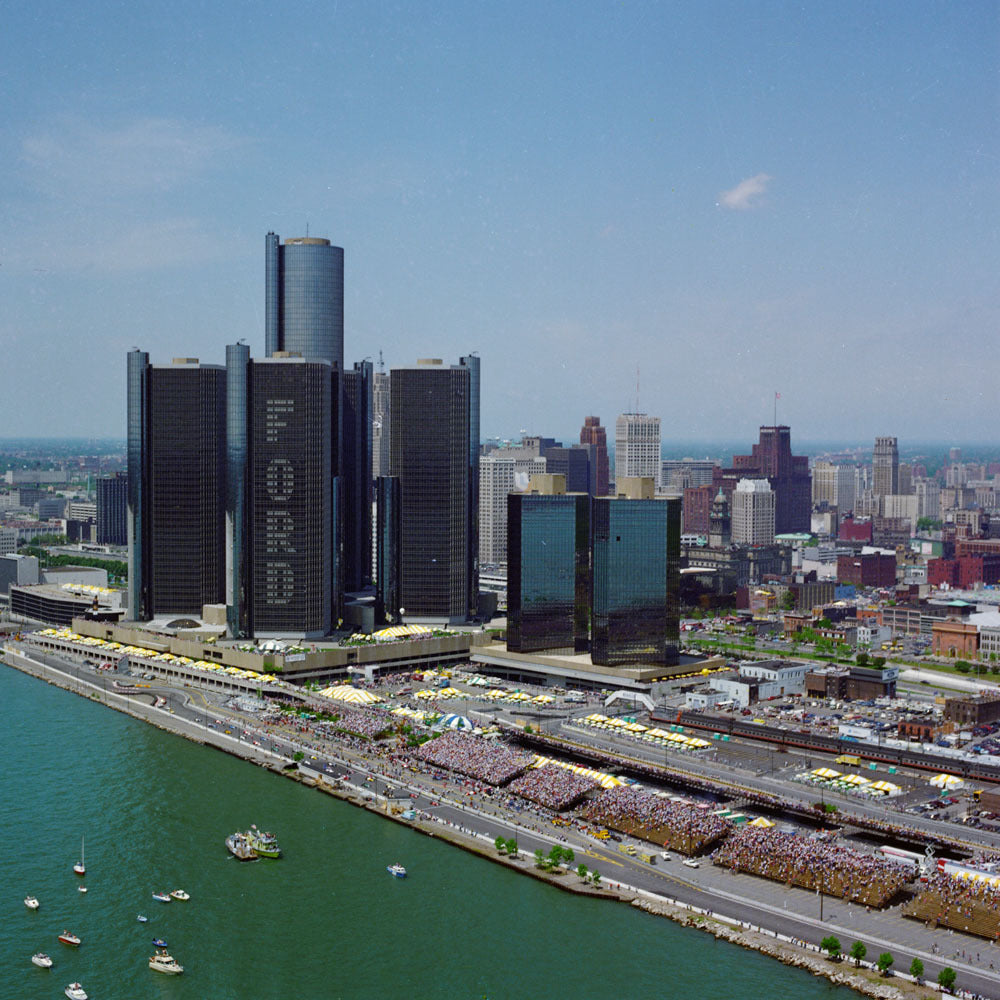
(137, 377)
(112, 504)
(548, 581)
(304, 298)
(357, 443)
(636, 575)
(290, 474)
(237, 449)
(184, 493)
(471, 361)
(388, 596)
(430, 455)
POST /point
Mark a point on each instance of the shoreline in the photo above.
(799, 954)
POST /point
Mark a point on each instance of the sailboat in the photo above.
(80, 868)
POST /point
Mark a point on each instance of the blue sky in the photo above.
(733, 199)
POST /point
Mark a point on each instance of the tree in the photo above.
(831, 946)
(511, 846)
(568, 856)
(595, 877)
(862, 659)
(540, 860)
(963, 666)
(788, 601)
(858, 952)
(883, 962)
(501, 845)
(582, 872)
(947, 977)
(917, 969)
(878, 662)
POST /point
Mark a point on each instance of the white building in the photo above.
(834, 485)
(8, 541)
(753, 512)
(928, 495)
(637, 447)
(500, 475)
(901, 505)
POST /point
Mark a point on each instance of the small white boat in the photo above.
(81, 888)
(71, 939)
(167, 964)
(396, 871)
(161, 897)
(180, 894)
(75, 992)
(142, 918)
(30, 902)
(42, 960)
(80, 867)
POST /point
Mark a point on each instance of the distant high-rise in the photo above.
(304, 298)
(885, 467)
(388, 548)
(430, 456)
(833, 485)
(501, 474)
(380, 424)
(112, 506)
(635, 580)
(596, 436)
(753, 512)
(573, 463)
(548, 569)
(637, 447)
(176, 465)
(472, 363)
(356, 470)
(772, 459)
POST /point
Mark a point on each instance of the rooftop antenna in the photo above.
(307, 230)
(381, 363)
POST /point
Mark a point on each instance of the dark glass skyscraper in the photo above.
(388, 596)
(471, 361)
(304, 298)
(636, 576)
(357, 475)
(548, 572)
(112, 504)
(237, 513)
(430, 455)
(290, 503)
(176, 417)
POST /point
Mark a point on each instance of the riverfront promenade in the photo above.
(464, 811)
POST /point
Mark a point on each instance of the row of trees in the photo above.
(831, 945)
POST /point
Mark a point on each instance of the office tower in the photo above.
(112, 506)
(772, 459)
(697, 509)
(388, 547)
(573, 463)
(833, 485)
(237, 523)
(472, 363)
(753, 512)
(686, 473)
(499, 475)
(548, 569)
(637, 447)
(380, 424)
(905, 484)
(636, 576)
(596, 436)
(356, 473)
(304, 298)
(290, 503)
(885, 467)
(430, 455)
(176, 460)
(928, 494)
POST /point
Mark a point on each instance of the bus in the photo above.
(849, 758)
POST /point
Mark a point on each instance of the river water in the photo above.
(326, 921)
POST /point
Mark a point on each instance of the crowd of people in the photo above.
(965, 904)
(552, 787)
(370, 723)
(489, 761)
(669, 822)
(832, 868)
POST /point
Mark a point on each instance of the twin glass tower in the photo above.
(250, 484)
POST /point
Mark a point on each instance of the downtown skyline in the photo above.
(687, 200)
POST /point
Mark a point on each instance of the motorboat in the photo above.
(42, 960)
(264, 845)
(141, 917)
(180, 894)
(161, 897)
(80, 867)
(167, 964)
(75, 992)
(396, 871)
(81, 888)
(239, 847)
(70, 939)
(159, 943)
(30, 902)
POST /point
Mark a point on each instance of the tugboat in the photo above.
(239, 847)
(396, 871)
(42, 960)
(264, 845)
(71, 939)
(167, 964)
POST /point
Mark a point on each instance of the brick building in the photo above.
(952, 637)
(972, 711)
(851, 530)
(852, 683)
(867, 569)
(697, 510)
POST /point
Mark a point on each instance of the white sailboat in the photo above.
(80, 868)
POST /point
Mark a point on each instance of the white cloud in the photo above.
(746, 194)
